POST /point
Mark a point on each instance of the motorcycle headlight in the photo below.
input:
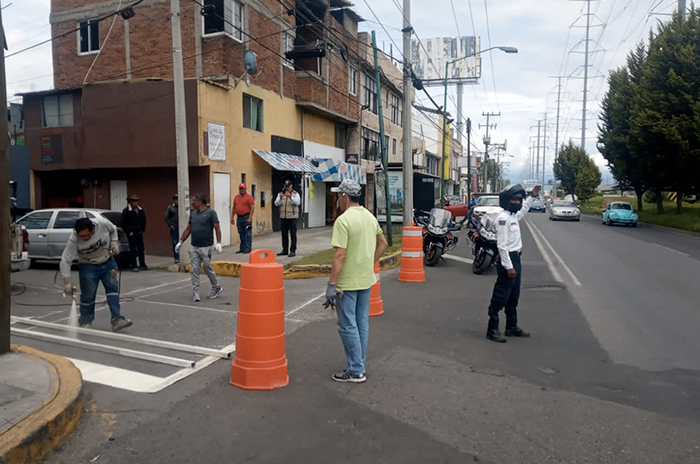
(434, 230)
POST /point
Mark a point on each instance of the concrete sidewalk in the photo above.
(309, 241)
(40, 403)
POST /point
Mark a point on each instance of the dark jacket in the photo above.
(133, 221)
(171, 216)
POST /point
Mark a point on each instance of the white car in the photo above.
(564, 210)
(486, 205)
(50, 229)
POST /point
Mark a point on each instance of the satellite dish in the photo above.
(250, 62)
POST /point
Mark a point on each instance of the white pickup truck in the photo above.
(19, 248)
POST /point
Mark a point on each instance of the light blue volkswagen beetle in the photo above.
(619, 212)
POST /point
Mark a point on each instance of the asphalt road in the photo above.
(609, 375)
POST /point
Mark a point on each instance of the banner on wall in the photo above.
(217, 141)
(395, 192)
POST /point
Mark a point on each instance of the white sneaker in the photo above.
(196, 297)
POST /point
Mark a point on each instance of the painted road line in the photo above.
(115, 376)
(458, 258)
(124, 337)
(204, 308)
(556, 255)
(555, 273)
(103, 348)
(304, 305)
(671, 249)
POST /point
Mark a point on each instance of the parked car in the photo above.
(564, 210)
(486, 205)
(457, 206)
(538, 206)
(620, 212)
(50, 229)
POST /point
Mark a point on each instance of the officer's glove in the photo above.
(178, 246)
(114, 248)
(332, 295)
(67, 287)
(218, 248)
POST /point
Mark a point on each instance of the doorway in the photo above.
(221, 203)
(117, 195)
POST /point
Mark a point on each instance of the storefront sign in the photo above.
(217, 141)
(352, 158)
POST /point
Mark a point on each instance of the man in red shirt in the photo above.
(243, 209)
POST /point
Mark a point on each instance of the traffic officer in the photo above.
(507, 289)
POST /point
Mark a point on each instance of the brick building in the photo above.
(108, 126)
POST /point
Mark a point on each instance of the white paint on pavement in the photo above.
(555, 273)
(556, 255)
(305, 304)
(115, 376)
(203, 308)
(671, 249)
(458, 258)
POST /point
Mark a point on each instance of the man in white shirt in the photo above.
(94, 243)
(288, 201)
(506, 292)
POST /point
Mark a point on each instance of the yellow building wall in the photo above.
(225, 106)
(318, 129)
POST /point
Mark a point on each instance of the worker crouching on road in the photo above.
(95, 244)
(359, 242)
(506, 292)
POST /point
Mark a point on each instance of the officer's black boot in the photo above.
(516, 332)
(492, 333)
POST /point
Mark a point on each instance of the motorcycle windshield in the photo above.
(440, 217)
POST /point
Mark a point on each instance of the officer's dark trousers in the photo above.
(506, 293)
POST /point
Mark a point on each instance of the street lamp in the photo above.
(444, 117)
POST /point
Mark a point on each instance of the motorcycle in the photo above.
(438, 238)
(484, 246)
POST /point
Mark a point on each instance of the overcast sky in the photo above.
(519, 86)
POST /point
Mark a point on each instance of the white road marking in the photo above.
(545, 255)
(115, 376)
(458, 258)
(204, 308)
(155, 286)
(671, 249)
(556, 255)
(305, 304)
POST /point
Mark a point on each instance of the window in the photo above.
(370, 145)
(39, 220)
(89, 37)
(57, 110)
(394, 109)
(252, 113)
(223, 16)
(287, 46)
(339, 135)
(65, 220)
(243, 178)
(262, 199)
(370, 94)
(393, 146)
(352, 81)
(252, 190)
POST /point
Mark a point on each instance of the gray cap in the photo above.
(349, 187)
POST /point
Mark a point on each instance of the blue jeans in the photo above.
(245, 233)
(90, 277)
(175, 238)
(353, 327)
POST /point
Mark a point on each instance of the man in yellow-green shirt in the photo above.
(359, 243)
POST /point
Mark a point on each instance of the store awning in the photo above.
(286, 162)
(337, 171)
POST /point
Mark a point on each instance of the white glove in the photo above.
(218, 248)
(114, 248)
(178, 246)
(67, 287)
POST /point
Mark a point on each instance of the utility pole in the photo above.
(487, 142)
(4, 209)
(544, 151)
(183, 177)
(681, 9)
(385, 157)
(556, 137)
(537, 168)
(407, 117)
(470, 191)
(585, 77)
(460, 125)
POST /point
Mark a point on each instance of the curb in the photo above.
(304, 271)
(32, 438)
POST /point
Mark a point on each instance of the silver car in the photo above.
(50, 229)
(564, 210)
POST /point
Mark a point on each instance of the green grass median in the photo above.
(325, 257)
(689, 220)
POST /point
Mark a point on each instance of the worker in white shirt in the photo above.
(94, 243)
(288, 201)
(506, 292)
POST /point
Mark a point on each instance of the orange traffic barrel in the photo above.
(412, 255)
(260, 362)
(376, 304)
